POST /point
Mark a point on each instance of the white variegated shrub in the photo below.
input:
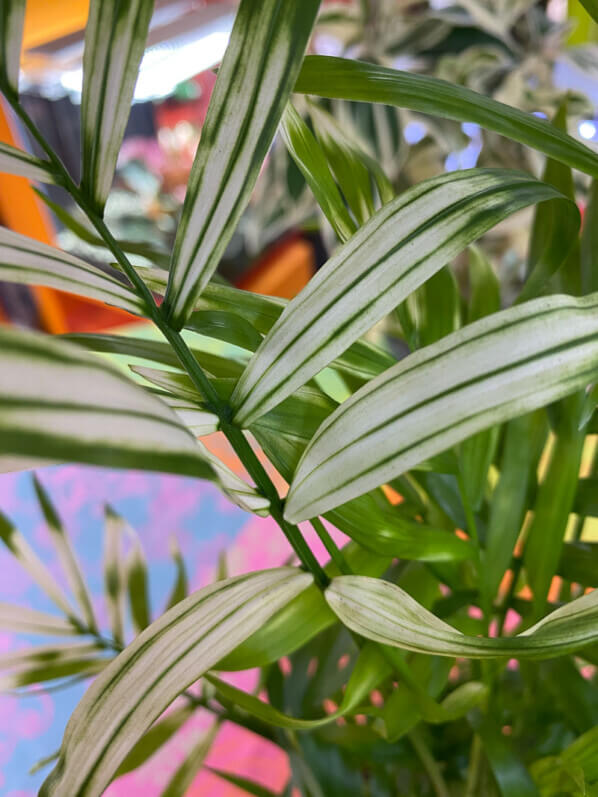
(477, 435)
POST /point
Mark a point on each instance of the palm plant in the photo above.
(452, 470)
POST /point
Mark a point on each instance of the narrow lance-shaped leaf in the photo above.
(385, 613)
(591, 6)
(401, 246)
(370, 670)
(185, 774)
(16, 161)
(258, 72)
(115, 37)
(30, 262)
(66, 554)
(167, 657)
(242, 494)
(29, 621)
(137, 583)
(180, 587)
(49, 662)
(308, 155)
(30, 561)
(347, 79)
(500, 367)
(246, 785)
(114, 528)
(12, 18)
(58, 403)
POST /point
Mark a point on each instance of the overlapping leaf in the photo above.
(355, 80)
(385, 613)
(498, 368)
(167, 657)
(258, 72)
(115, 38)
(29, 262)
(16, 161)
(59, 403)
(12, 18)
(400, 247)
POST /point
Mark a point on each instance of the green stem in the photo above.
(335, 553)
(475, 763)
(213, 401)
(429, 764)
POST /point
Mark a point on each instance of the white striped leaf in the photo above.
(58, 403)
(29, 621)
(199, 422)
(356, 80)
(30, 561)
(49, 662)
(166, 658)
(66, 555)
(243, 495)
(12, 18)
(16, 161)
(115, 38)
(114, 577)
(259, 70)
(30, 262)
(502, 366)
(400, 247)
(382, 611)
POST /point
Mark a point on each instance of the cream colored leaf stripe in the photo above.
(502, 366)
(166, 657)
(400, 247)
(16, 161)
(259, 69)
(12, 18)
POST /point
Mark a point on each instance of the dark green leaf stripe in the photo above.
(15, 161)
(384, 612)
(30, 262)
(12, 17)
(254, 82)
(502, 366)
(355, 80)
(59, 403)
(167, 657)
(401, 246)
(115, 38)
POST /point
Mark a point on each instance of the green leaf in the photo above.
(30, 561)
(137, 586)
(307, 154)
(355, 80)
(300, 620)
(370, 670)
(166, 658)
(66, 555)
(180, 587)
(224, 326)
(399, 248)
(554, 502)
(434, 308)
(47, 663)
(185, 774)
(243, 783)
(115, 37)
(385, 613)
(511, 775)
(12, 18)
(475, 457)
(30, 262)
(523, 443)
(579, 563)
(591, 6)
(549, 227)
(583, 753)
(352, 167)
(258, 72)
(114, 577)
(29, 621)
(589, 240)
(502, 366)
(61, 404)
(484, 286)
(16, 161)
(153, 740)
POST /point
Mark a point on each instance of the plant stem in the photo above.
(475, 762)
(429, 764)
(213, 401)
(335, 553)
